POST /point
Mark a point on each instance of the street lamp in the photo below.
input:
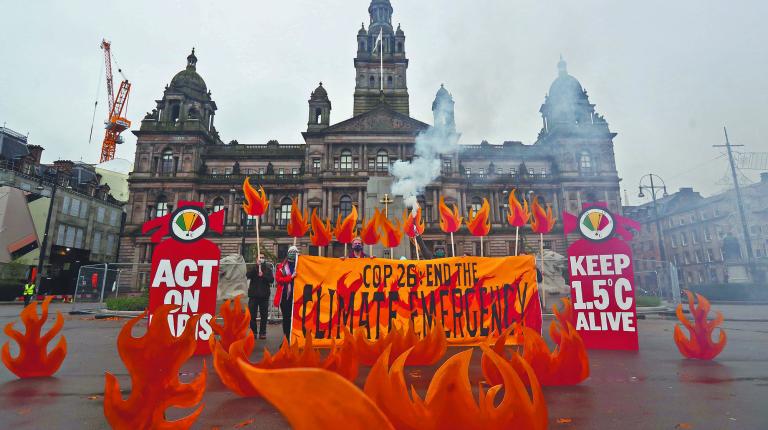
(653, 187)
(243, 219)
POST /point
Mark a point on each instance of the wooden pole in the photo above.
(453, 249)
(541, 253)
(517, 235)
(481, 247)
(258, 245)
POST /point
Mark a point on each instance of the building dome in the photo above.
(362, 31)
(188, 79)
(319, 93)
(565, 87)
(399, 31)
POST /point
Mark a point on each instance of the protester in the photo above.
(440, 253)
(285, 274)
(261, 278)
(357, 249)
(29, 291)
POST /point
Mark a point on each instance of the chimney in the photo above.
(36, 152)
(64, 166)
(686, 190)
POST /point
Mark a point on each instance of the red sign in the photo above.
(602, 278)
(185, 268)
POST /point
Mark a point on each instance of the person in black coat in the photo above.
(261, 279)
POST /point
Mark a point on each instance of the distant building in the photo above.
(180, 156)
(85, 220)
(703, 235)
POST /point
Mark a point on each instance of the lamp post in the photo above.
(243, 220)
(44, 245)
(647, 184)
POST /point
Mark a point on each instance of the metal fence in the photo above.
(97, 283)
(657, 279)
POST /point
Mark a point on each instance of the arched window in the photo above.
(161, 209)
(389, 81)
(362, 46)
(372, 82)
(175, 112)
(346, 160)
(345, 205)
(585, 162)
(399, 46)
(382, 161)
(283, 212)
(166, 163)
(218, 204)
(318, 115)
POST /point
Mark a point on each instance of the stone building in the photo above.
(180, 155)
(702, 236)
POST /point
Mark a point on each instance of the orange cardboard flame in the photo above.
(450, 221)
(562, 317)
(341, 360)
(329, 401)
(345, 230)
(542, 221)
(699, 345)
(237, 321)
(423, 352)
(390, 235)
(298, 226)
(480, 224)
(568, 364)
(518, 214)
(369, 233)
(33, 360)
(154, 362)
(256, 200)
(321, 234)
(413, 225)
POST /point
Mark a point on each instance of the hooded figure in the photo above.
(285, 275)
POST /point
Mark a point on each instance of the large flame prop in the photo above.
(518, 215)
(321, 234)
(567, 364)
(236, 319)
(345, 230)
(699, 345)
(154, 362)
(369, 233)
(255, 205)
(342, 360)
(450, 221)
(33, 360)
(413, 225)
(423, 352)
(298, 225)
(541, 222)
(329, 401)
(479, 224)
(391, 235)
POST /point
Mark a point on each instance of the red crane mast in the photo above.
(115, 123)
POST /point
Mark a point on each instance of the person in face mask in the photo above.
(357, 249)
(285, 274)
(439, 253)
(261, 279)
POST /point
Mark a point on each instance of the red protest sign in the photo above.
(185, 269)
(602, 278)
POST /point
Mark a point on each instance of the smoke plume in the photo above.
(412, 177)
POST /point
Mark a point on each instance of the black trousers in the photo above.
(27, 299)
(260, 306)
(287, 309)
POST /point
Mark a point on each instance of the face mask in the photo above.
(358, 247)
(439, 254)
(261, 261)
(291, 257)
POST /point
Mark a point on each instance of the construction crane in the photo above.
(115, 123)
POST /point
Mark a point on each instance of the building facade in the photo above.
(180, 156)
(703, 237)
(86, 219)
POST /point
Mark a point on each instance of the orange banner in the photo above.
(472, 297)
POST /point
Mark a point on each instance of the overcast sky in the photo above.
(666, 75)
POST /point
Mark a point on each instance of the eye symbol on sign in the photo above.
(188, 224)
(596, 224)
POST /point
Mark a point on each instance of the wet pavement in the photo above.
(652, 389)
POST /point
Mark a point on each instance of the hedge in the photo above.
(127, 303)
(731, 292)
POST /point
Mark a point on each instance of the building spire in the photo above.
(192, 60)
(562, 67)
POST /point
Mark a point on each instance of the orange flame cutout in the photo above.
(568, 364)
(562, 317)
(413, 225)
(480, 224)
(225, 363)
(321, 234)
(391, 235)
(424, 352)
(154, 362)
(236, 318)
(450, 221)
(700, 345)
(256, 200)
(345, 230)
(541, 222)
(33, 360)
(298, 226)
(518, 214)
(369, 233)
(386, 403)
